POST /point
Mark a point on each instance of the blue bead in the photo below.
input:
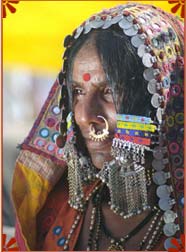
(61, 241)
(57, 230)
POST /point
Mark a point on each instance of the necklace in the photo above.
(97, 225)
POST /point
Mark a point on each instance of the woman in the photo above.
(115, 181)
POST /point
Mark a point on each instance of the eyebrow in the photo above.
(79, 84)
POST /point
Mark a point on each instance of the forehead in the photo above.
(87, 61)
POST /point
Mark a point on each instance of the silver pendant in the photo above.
(158, 152)
(158, 165)
(169, 216)
(168, 243)
(163, 191)
(166, 203)
(160, 177)
(170, 229)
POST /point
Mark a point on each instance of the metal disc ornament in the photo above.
(131, 31)
(78, 32)
(159, 178)
(107, 23)
(170, 229)
(147, 60)
(97, 23)
(152, 86)
(169, 216)
(163, 191)
(156, 100)
(159, 114)
(165, 204)
(142, 49)
(158, 152)
(116, 19)
(125, 24)
(87, 28)
(158, 165)
(148, 74)
(137, 41)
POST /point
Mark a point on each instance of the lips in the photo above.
(99, 146)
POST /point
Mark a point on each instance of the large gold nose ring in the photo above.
(100, 135)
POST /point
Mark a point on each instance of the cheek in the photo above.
(112, 117)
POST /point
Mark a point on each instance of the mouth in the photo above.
(103, 146)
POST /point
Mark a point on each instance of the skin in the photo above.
(92, 98)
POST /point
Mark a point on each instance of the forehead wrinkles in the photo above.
(88, 61)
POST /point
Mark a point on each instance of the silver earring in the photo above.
(100, 135)
(126, 179)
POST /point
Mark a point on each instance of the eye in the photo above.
(107, 91)
(107, 94)
(77, 91)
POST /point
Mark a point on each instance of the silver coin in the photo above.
(159, 114)
(141, 50)
(87, 28)
(148, 74)
(137, 41)
(159, 178)
(170, 229)
(168, 244)
(124, 23)
(131, 31)
(169, 216)
(155, 100)
(147, 60)
(158, 152)
(116, 19)
(107, 24)
(97, 23)
(158, 165)
(78, 32)
(165, 204)
(151, 87)
(163, 191)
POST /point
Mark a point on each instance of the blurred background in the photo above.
(32, 49)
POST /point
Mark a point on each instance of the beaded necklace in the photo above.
(97, 225)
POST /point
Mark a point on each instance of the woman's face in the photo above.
(92, 97)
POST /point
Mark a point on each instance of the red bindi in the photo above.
(86, 77)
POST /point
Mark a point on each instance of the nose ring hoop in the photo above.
(100, 135)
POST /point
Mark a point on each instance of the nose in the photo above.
(87, 112)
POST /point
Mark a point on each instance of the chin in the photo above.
(98, 159)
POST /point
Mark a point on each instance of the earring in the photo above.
(100, 135)
(125, 174)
